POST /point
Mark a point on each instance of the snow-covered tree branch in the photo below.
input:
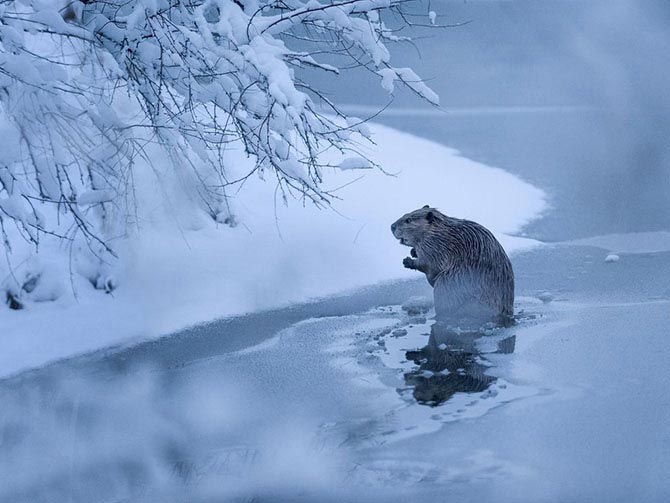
(87, 88)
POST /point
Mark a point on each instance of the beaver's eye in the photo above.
(407, 220)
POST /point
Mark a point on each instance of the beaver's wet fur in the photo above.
(471, 274)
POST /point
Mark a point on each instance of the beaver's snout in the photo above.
(396, 232)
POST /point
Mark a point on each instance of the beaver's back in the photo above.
(476, 279)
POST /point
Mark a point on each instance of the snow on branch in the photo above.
(89, 87)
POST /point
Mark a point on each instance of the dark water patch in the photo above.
(214, 338)
(451, 363)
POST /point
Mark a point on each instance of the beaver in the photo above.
(469, 270)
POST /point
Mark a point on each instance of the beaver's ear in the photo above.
(430, 216)
(426, 206)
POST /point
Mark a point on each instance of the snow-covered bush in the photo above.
(93, 91)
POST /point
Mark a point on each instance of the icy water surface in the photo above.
(295, 413)
(375, 404)
(354, 399)
(452, 363)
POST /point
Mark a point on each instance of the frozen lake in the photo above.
(369, 403)
(354, 399)
(351, 399)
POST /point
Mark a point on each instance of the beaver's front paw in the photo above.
(409, 262)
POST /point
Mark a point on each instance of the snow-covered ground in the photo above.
(182, 270)
(634, 242)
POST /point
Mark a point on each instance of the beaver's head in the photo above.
(413, 227)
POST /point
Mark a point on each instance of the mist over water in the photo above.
(572, 95)
(593, 53)
(151, 435)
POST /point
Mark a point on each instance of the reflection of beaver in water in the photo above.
(454, 363)
(471, 274)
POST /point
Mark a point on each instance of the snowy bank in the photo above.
(182, 270)
(634, 242)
